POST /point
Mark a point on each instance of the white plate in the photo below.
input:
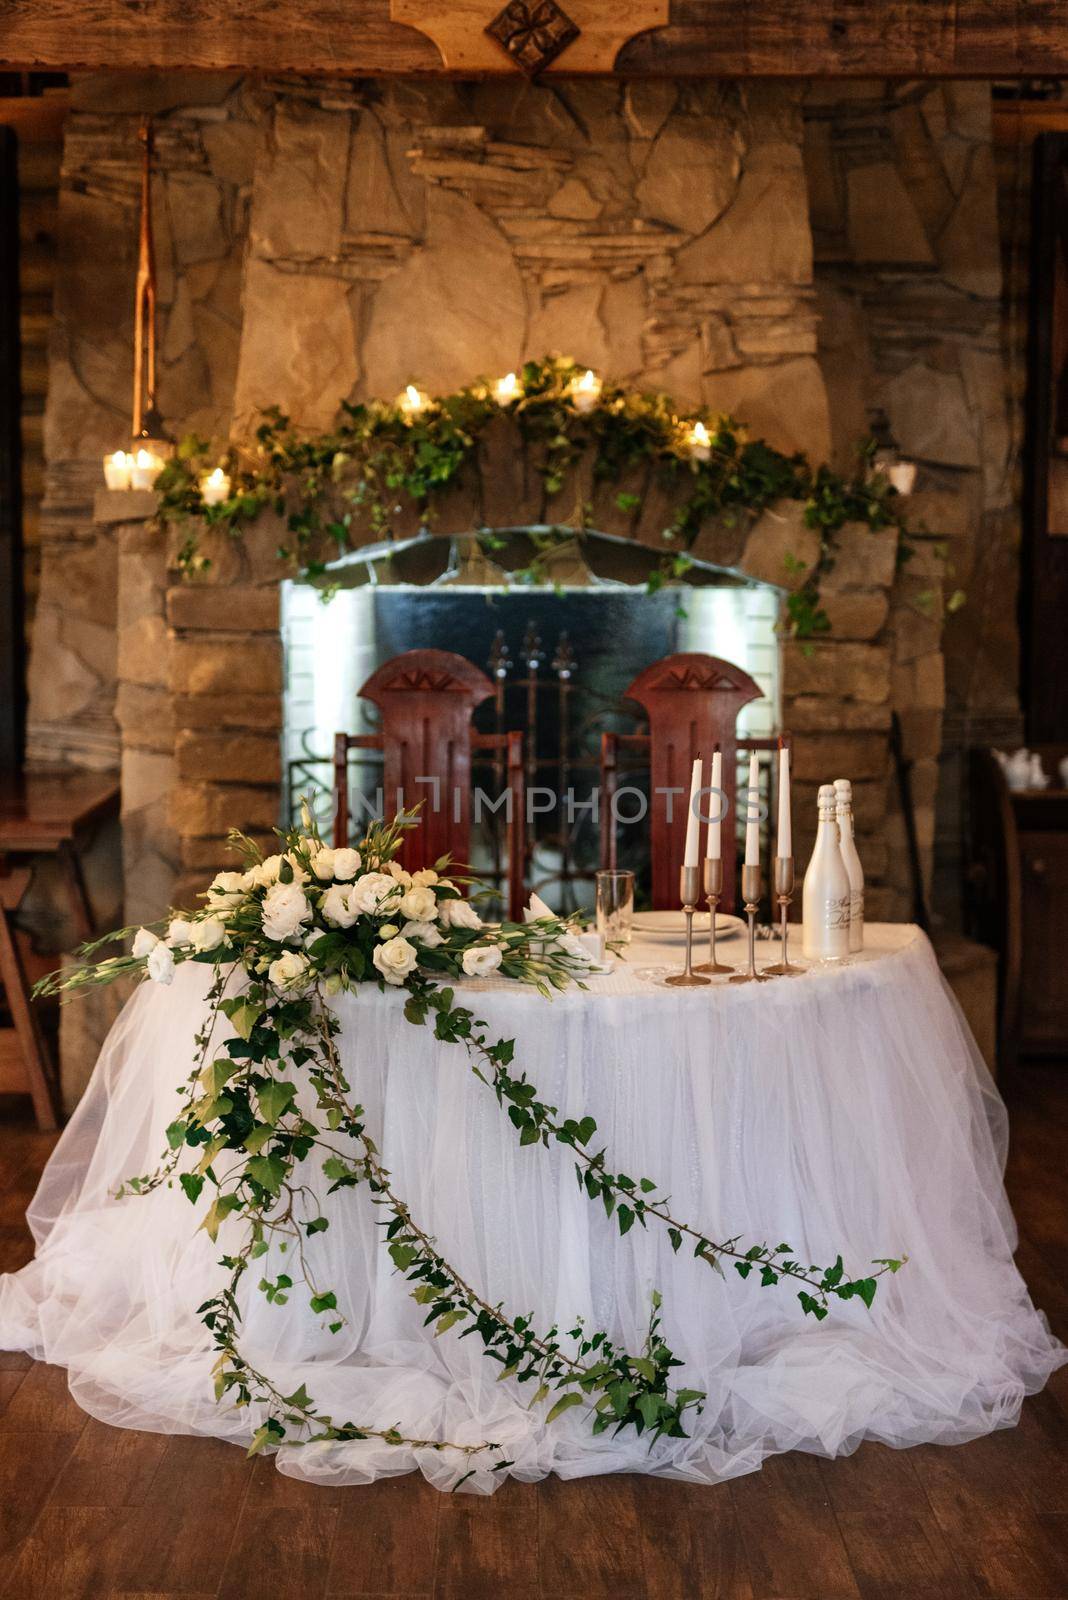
(669, 927)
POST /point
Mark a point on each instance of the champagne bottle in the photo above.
(854, 871)
(825, 928)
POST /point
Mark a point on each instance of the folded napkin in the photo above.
(537, 908)
(587, 947)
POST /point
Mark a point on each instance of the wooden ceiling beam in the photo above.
(711, 38)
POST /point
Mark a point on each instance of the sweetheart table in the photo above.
(845, 1109)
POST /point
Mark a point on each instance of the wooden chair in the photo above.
(426, 699)
(25, 1066)
(692, 702)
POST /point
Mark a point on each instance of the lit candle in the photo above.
(752, 815)
(117, 470)
(902, 476)
(145, 468)
(713, 848)
(412, 401)
(585, 392)
(700, 442)
(507, 389)
(784, 843)
(693, 818)
(215, 487)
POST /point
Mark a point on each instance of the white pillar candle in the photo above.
(700, 442)
(784, 843)
(752, 815)
(215, 487)
(145, 468)
(117, 470)
(693, 819)
(413, 402)
(506, 389)
(585, 392)
(714, 847)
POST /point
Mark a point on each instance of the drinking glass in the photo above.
(615, 906)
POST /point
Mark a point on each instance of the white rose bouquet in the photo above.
(352, 915)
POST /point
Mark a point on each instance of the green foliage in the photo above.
(337, 489)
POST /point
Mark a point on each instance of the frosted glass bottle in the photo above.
(854, 871)
(825, 902)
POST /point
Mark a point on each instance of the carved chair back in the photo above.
(692, 703)
(425, 699)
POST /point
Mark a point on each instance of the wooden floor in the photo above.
(89, 1511)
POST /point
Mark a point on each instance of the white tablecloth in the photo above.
(843, 1110)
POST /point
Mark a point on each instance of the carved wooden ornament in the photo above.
(530, 36)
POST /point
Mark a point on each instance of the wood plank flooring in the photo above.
(94, 1513)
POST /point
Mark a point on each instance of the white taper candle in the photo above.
(784, 843)
(752, 822)
(693, 819)
(714, 847)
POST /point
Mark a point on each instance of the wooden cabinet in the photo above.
(1018, 902)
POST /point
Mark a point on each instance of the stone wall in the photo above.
(435, 232)
(318, 243)
(205, 135)
(908, 274)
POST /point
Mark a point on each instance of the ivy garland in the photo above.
(282, 938)
(383, 455)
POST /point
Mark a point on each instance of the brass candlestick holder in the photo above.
(784, 894)
(689, 883)
(751, 895)
(713, 891)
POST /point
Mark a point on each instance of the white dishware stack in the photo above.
(843, 790)
(826, 896)
(1024, 770)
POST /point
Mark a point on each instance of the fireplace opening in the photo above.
(560, 633)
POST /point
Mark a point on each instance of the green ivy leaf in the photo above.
(192, 1183)
(275, 1099)
(563, 1404)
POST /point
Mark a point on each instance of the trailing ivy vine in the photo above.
(337, 489)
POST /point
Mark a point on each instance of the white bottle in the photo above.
(825, 927)
(854, 871)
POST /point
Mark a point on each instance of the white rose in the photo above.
(425, 932)
(396, 871)
(285, 908)
(419, 905)
(179, 931)
(370, 893)
(227, 889)
(337, 907)
(288, 970)
(266, 872)
(479, 960)
(346, 864)
(424, 877)
(161, 963)
(207, 934)
(459, 914)
(395, 959)
(323, 863)
(145, 941)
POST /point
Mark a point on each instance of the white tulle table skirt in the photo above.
(844, 1110)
